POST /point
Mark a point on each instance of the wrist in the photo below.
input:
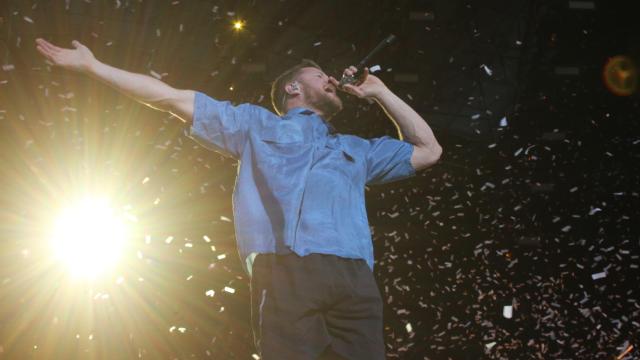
(92, 67)
(381, 94)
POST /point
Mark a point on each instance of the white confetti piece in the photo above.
(594, 210)
(409, 328)
(224, 218)
(8, 67)
(28, 19)
(486, 69)
(169, 240)
(210, 293)
(503, 122)
(599, 275)
(374, 68)
(229, 290)
(507, 311)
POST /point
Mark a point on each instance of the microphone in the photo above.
(352, 79)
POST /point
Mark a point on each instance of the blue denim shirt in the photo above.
(299, 188)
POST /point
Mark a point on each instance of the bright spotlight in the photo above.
(89, 237)
(238, 25)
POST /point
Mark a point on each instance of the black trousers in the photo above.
(315, 307)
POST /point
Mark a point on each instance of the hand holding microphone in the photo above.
(349, 77)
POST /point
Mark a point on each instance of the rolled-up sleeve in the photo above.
(388, 160)
(220, 126)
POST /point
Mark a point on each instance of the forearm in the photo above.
(142, 88)
(410, 124)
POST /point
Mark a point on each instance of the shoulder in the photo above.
(206, 105)
(366, 144)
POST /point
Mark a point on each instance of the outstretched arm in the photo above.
(411, 125)
(143, 88)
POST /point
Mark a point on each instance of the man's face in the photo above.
(318, 92)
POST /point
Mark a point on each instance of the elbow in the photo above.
(436, 153)
(424, 158)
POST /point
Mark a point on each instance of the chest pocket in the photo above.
(286, 132)
(287, 140)
(336, 147)
(343, 161)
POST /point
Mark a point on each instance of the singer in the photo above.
(300, 220)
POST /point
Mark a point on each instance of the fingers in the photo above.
(47, 49)
(363, 77)
(47, 45)
(354, 90)
(350, 71)
(45, 52)
(334, 82)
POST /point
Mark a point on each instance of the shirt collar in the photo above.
(317, 120)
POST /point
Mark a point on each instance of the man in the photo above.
(300, 220)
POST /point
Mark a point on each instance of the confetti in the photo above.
(507, 311)
(599, 275)
(487, 70)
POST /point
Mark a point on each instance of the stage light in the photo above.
(238, 25)
(620, 75)
(88, 238)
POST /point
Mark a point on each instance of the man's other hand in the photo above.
(78, 59)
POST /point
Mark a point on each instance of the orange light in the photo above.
(620, 76)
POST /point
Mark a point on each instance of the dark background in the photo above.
(521, 214)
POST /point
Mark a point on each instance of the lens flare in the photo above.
(238, 25)
(88, 238)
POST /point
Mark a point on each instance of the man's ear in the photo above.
(293, 88)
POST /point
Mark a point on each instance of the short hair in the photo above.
(278, 93)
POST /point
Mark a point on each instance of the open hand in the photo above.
(366, 86)
(78, 59)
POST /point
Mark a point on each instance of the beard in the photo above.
(328, 103)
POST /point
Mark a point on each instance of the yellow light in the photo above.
(238, 25)
(89, 238)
